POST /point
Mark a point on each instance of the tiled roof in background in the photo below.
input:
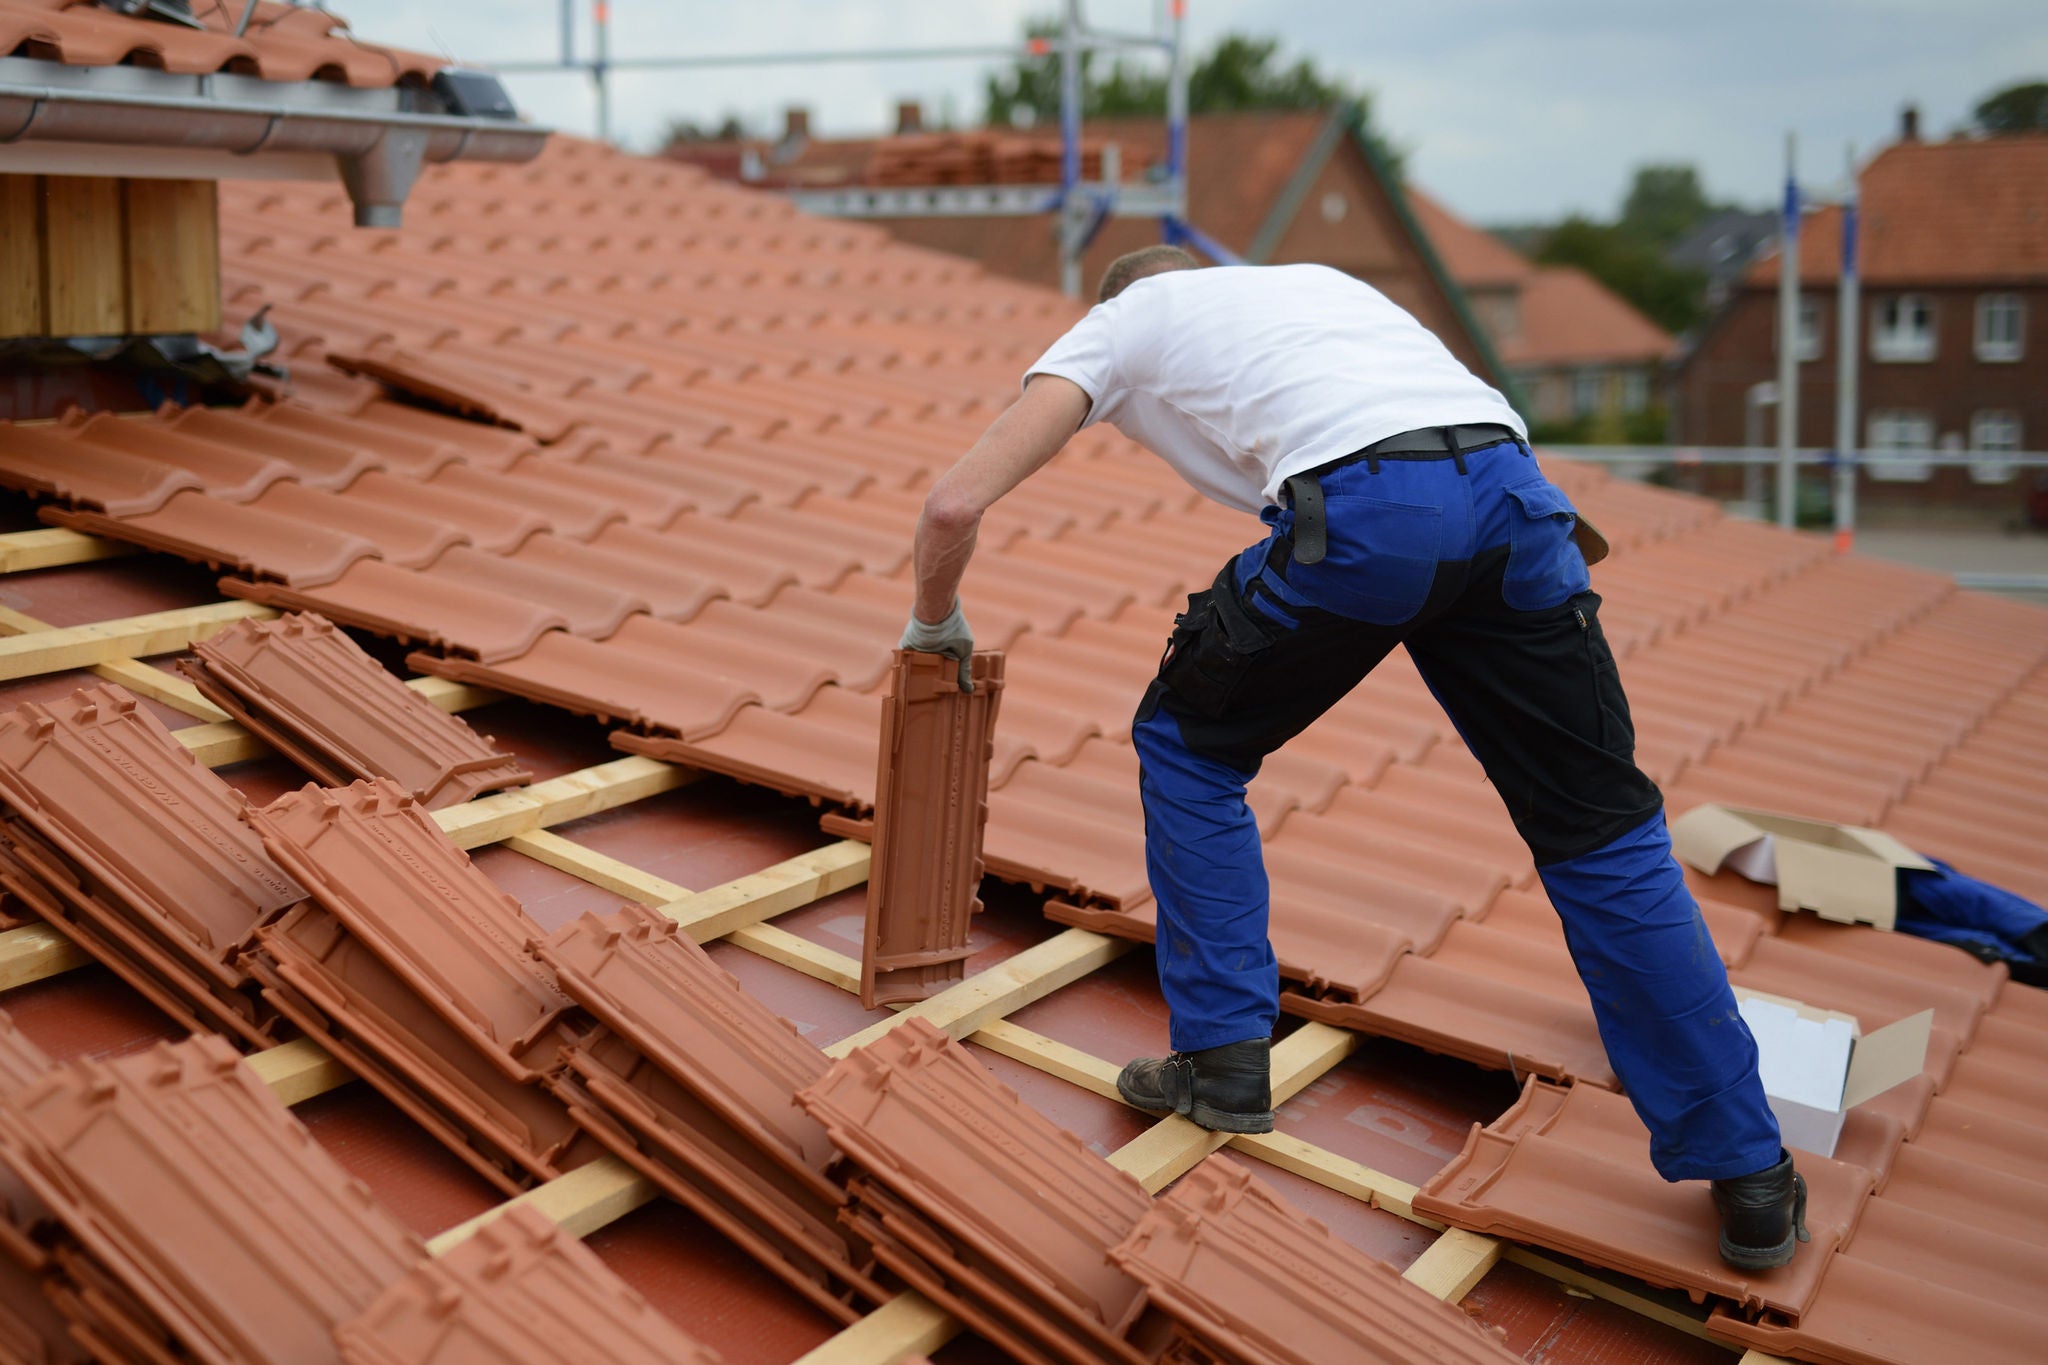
(281, 43)
(1475, 257)
(696, 429)
(1963, 211)
(1570, 318)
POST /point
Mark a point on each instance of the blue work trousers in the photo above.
(1469, 564)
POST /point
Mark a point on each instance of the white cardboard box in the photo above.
(1817, 1065)
(1840, 872)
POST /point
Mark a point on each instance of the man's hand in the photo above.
(949, 637)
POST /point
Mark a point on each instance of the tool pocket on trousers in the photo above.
(1616, 728)
(1544, 566)
(1213, 645)
(1380, 563)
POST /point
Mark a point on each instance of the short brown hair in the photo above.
(1136, 265)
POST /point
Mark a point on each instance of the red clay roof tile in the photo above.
(1249, 1277)
(1568, 1169)
(520, 1292)
(930, 811)
(185, 1177)
(468, 621)
(313, 694)
(1033, 1211)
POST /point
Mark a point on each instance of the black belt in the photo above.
(1305, 491)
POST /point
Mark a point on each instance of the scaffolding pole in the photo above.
(1847, 330)
(1788, 342)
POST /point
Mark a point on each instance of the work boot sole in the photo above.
(1758, 1258)
(1230, 1121)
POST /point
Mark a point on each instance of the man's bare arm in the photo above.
(1017, 444)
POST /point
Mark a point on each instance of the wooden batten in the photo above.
(100, 256)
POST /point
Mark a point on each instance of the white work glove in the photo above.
(949, 637)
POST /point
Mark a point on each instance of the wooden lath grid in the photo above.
(737, 912)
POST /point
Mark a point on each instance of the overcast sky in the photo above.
(1509, 110)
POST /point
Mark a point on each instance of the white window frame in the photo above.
(1808, 346)
(2001, 349)
(1894, 336)
(2010, 439)
(1886, 432)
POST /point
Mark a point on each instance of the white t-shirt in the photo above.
(1239, 376)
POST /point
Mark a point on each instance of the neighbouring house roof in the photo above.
(644, 451)
(1965, 211)
(281, 43)
(1250, 176)
(1563, 316)
(1570, 318)
(1476, 258)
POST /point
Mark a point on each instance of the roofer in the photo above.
(1404, 508)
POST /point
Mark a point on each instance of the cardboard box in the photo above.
(1817, 1064)
(1840, 872)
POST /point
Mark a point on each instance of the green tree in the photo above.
(2016, 109)
(1664, 203)
(1238, 73)
(1674, 299)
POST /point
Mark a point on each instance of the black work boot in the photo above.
(1762, 1215)
(1225, 1089)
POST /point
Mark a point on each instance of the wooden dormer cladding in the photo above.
(100, 256)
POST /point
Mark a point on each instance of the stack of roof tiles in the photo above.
(165, 1206)
(985, 1206)
(975, 158)
(312, 694)
(408, 963)
(115, 835)
(682, 441)
(691, 1081)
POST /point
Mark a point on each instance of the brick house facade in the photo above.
(1953, 334)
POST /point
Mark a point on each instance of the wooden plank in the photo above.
(33, 952)
(799, 954)
(599, 869)
(749, 900)
(558, 800)
(1454, 1263)
(909, 1324)
(85, 284)
(1031, 975)
(221, 743)
(580, 1202)
(1052, 1057)
(161, 685)
(21, 257)
(1334, 1172)
(299, 1070)
(172, 251)
(453, 696)
(1668, 1307)
(140, 678)
(133, 637)
(51, 546)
